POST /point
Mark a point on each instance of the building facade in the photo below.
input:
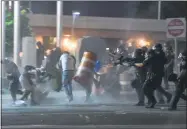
(44, 28)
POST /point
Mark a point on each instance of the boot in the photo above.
(172, 108)
(140, 104)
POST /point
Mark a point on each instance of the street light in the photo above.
(75, 14)
(59, 22)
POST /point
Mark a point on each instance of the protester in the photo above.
(13, 75)
(67, 65)
(39, 54)
(27, 83)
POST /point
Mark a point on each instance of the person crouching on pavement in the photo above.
(67, 65)
(27, 83)
(13, 75)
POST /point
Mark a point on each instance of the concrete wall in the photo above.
(51, 31)
(100, 23)
(29, 51)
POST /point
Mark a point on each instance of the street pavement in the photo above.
(183, 126)
(59, 98)
(104, 110)
(93, 115)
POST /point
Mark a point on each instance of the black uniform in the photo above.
(169, 65)
(137, 83)
(155, 63)
(181, 82)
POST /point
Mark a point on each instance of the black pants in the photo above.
(152, 84)
(180, 88)
(13, 87)
(138, 86)
(177, 95)
(26, 95)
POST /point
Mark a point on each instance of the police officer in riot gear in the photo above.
(160, 91)
(155, 62)
(170, 63)
(144, 49)
(181, 81)
(137, 83)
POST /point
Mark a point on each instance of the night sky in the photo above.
(133, 9)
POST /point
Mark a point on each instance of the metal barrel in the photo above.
(84, 74)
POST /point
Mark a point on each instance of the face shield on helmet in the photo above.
(180, 56)
(183, 55)
(146, 55)
(157, 47)
(133, 55)
(153, 47)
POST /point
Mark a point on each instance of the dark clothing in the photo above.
(140, 72)
(180, 86)
(153, 81)
(168, 68)
(51, 69)
(39, 54)
(13, 76)
(14, 88)
(137, 83)
(156, 64)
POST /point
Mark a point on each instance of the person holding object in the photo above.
(27, 83)
(67, 66)
(170, 63)
(180, 81)
(13, 75)
(137, 83)
(155, 63)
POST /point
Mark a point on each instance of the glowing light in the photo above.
(107, 49)
(66, 41)
(76, 13)
(67, 35)
(39, 38)
(130, 44)
(69, 44)
(142, 43)
(21, 54)
(54, 40)
(48, 52)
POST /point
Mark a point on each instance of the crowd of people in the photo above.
(152, 66)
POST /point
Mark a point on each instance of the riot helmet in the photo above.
(167, 47)
(183, 55)
(158, 47)
(144, 50)
(150, 53)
